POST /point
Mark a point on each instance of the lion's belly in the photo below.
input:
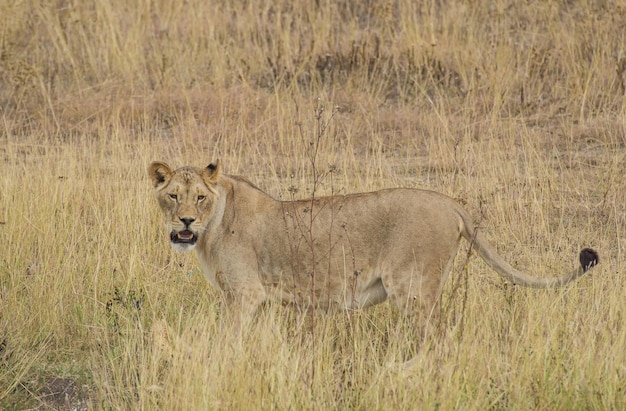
(371, 294)
(345, 292)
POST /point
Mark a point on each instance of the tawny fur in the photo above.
(396, 244)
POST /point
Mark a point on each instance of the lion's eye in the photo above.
(201, 198)
(173, 197)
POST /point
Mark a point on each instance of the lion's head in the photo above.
(187, 197)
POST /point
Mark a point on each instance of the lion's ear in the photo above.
(159, 172)
(212, 172)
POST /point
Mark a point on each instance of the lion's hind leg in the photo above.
(415, 287)
(419, 304)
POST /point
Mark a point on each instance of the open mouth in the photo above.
(183, 237)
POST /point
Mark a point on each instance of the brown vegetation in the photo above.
(515, 108)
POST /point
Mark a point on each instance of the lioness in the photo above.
(350, 251)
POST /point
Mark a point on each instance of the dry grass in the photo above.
(515, 108)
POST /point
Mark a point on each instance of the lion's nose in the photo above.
(187, 220)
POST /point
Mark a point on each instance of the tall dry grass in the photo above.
(516, 109)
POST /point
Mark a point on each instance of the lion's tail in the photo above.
(588, 258)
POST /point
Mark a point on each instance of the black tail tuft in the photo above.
(588, 258)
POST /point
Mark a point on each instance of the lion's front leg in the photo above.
(239, 309)
(242, 297)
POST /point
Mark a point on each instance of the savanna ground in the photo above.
(517, 109)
